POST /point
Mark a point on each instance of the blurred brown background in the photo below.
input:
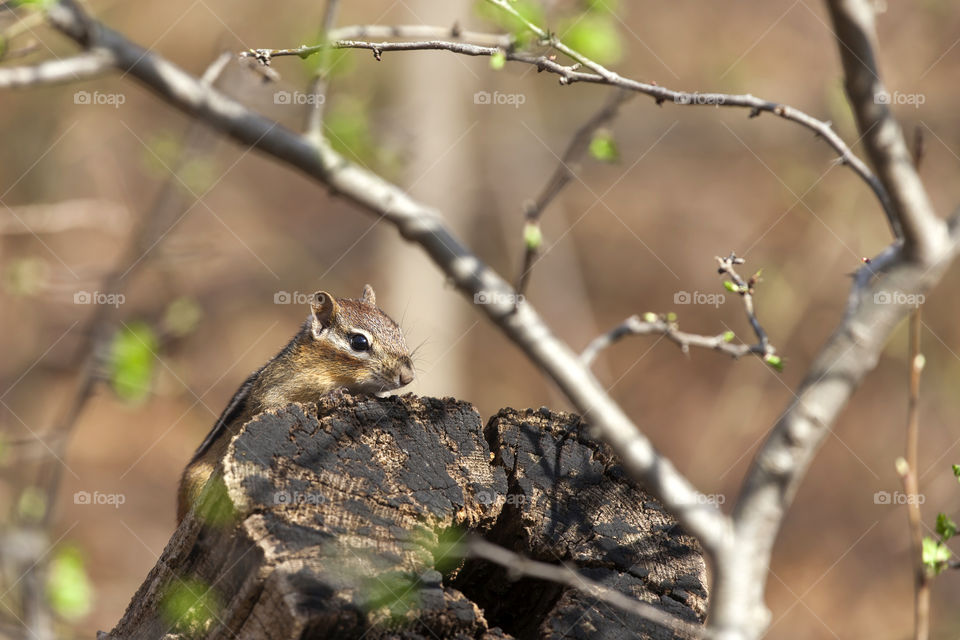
(624, 238)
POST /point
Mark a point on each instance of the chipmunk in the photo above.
(344, 344)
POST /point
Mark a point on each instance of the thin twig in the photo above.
(318, 87)
(79, 67)
(371, 31)
(562, 175)
(523, 567)
(571, 73)
(12, 54)
(652, 324)
(911, 485)
(745, 289)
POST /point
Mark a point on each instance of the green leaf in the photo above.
(956, 472)
(498, 60)
(532, 236)
(530, 10)
(595, 35)
(182, 316)
(214, 505)
(32, 504)
(946, 528)
(190, 606)
(68, 587)
(449, 550)
(728, 336)
(774, 361)
(335, 62)
(395, 593)
(935, 555)
(132, 361)
(347, 128)
(731, 287)
(603, 147)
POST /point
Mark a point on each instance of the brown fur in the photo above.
(316, 361)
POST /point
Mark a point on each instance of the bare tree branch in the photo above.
(523, 567)
(318, 87)
(562, 175)
(911, 485)
(570, 74)
(357, 32)
(853, 21)
(86, 65)
(745, 289)
(652, 324)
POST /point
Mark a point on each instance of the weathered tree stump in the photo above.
(341, 520)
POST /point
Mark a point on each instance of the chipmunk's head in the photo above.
(363, 348)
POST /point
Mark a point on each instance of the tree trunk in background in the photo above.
(440, 160)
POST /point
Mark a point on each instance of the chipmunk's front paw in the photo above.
(336, 395)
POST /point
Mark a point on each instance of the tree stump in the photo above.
(342, 520)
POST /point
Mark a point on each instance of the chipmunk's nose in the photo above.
(406, 373)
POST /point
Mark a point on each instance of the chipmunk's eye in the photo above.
(359, 342)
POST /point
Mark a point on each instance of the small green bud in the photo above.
(671, 317)
(901, 465)
(731, 287)
(774, 361)
(728, 336)
(946, 528)
(603, 147)
(498, 60)
(650, 317)
(532, 236)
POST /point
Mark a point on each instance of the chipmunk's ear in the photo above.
(323, 309)
(369, 297)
